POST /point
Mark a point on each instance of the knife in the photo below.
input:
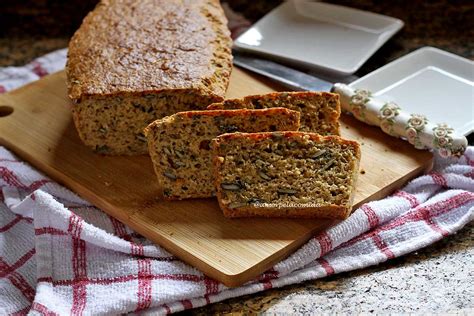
(289, 77)
(387, 115)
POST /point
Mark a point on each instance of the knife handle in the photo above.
(390, 117)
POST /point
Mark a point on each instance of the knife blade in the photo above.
(289, 77)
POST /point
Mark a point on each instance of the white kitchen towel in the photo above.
(60, 255)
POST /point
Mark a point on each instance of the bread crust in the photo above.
(139, 47)
(244, 113)
(327, 211)
(274, 96)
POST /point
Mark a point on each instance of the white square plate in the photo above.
(428, 81)
(318, 35)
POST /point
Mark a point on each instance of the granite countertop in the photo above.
(436, 279)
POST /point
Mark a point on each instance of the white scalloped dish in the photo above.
(321, 36)
(428, 81)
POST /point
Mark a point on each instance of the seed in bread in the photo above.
(320, 111)
(179, 145)
(285, 174)
(132, 62)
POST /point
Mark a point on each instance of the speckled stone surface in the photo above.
(437, 279)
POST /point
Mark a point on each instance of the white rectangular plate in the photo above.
(428, 81)
(318, 35)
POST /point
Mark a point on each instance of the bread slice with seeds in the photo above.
(179, 144)
(320, 111)
(285, 174)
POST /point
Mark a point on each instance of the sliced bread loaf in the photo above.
(132, 62)
(285, 174)
(179, 144)
(320, 111)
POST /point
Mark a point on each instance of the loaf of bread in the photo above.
(132, 62)
(320, 111)
(179, 145)
(285, 174)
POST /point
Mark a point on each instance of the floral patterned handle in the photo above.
(416, 128)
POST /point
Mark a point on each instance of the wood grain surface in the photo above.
(40, 130)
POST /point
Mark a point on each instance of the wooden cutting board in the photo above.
(40, 130)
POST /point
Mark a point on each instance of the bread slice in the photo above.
(132, 62)
(179, 145)
(320, 111)
(285, 174)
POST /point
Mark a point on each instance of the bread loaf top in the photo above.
(147, 46)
